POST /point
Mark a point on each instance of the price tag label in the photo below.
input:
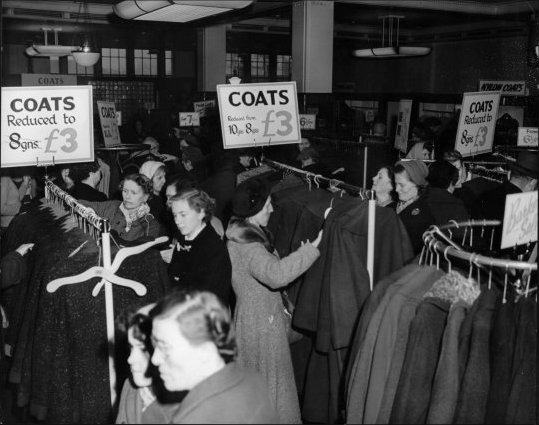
(527, 136)
(307, 121)
(119, 118)
(519, 219)
(189, 119)
(42, 125)
(258, 114)
(477, 123)
(109, 123)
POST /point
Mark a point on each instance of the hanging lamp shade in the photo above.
(84, 56)
(390, 43)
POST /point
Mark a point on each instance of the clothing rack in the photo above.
(334, 184)
(101, 230)
(354, 146)
(447, 247)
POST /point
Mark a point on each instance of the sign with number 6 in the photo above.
(46, 125)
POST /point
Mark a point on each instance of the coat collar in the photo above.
(217, 383)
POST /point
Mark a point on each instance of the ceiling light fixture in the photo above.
(85, 55)
(390, 43)
(47, 50)
(175, 10)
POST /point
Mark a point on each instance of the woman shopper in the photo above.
(194, 351)
(257, 276)
(140, 400)
(156, 172)
(383, 183)
(130, 219)
(413, 208)
(200, 259)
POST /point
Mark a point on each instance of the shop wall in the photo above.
(451, 67)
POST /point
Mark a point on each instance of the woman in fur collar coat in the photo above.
(257, 276)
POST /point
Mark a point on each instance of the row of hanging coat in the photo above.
(330, 295)
(62, 366)
(450, 340)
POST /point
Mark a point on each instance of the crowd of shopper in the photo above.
(217, 347)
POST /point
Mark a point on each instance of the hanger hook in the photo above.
(447, 259)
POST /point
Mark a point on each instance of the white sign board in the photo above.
(203, 107)
(46, 125)
(307, 121)
(189, 119)
(403, 125)
(477, 123)
(506, 88)
(527, 136)
(261, 114)
(109, 123)
(48, 80)
(519, 219)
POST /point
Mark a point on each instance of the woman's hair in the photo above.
(201, 317)
(198, 200)
(140, 179)
(181, 183)
(452, 156)
(81, 171)
(391, 175)
(140, 323)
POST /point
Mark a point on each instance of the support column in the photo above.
(312, 46)
(211, 57)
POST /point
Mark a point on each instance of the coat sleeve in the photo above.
(6, 207)
(13, 266)
(276, 272)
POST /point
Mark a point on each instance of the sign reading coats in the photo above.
(477, 122)
(262, 114)
(46, 125)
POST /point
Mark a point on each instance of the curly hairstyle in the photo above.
(201, 317)
(140, 323)
(198, 200)
(141, 180)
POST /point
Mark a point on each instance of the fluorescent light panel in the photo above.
(180, 13)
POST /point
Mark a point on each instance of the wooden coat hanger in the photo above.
(108, 274)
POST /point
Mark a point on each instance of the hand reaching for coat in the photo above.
(316, 242)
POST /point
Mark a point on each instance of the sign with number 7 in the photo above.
(46, 125)
(189, 119)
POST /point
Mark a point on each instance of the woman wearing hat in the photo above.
(156, 172)
(413, 209)
(257, 275)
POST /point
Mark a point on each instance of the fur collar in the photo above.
(241, 231)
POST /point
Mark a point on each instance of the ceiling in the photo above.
(424, 20)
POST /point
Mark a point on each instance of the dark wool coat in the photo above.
(230, 396)
(202, 264)
(417, 217)
(444, 206)
(60, 367)
(82, 191)
(334, 290)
